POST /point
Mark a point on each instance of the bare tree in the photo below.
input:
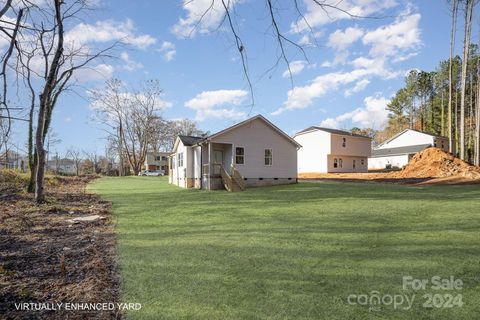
(43, 41)
(273, 12)
(93, 158)
(450, 71)
(4, 137)
(76, 156)
(130, 117)
(466, 45)
(476, 159)
(51, 140)
(167, 132)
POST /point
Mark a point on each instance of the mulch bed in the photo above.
(45, 258)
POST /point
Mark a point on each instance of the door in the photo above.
(354, 164)
(217, 161)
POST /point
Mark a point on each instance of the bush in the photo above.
(12, 181)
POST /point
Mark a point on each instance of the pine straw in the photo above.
(44, 258)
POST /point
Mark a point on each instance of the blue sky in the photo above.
(352, 70)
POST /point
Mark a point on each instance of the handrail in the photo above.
(238, 178)
(227, 180)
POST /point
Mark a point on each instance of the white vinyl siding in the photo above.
(256, 136)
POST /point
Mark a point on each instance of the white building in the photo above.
(13, 160)
(330, 150)
(397, 151)
(251, 153)
(65, 166)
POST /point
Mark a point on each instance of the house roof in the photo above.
(333, 131)
(376, 153)
(260, 117)
(189, 140)
(402, 132)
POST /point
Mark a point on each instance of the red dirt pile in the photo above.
(436, 163)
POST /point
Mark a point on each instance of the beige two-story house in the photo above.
(157, 161)
(327, 150)
(251, 153)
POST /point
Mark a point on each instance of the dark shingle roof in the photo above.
(334, 131)
(399, 151)
(189, 140)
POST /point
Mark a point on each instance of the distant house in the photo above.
(330, 150)
(397, 151)
(157, 161)
(13, 160)
(251, 153)
(64, 165)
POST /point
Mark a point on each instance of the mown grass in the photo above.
(292, 252)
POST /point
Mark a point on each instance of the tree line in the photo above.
(39, 65)
(445, 101)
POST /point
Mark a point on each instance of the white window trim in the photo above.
(271, 153)
(178, 162)
(235, 156)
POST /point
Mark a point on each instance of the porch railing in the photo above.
(238, 178)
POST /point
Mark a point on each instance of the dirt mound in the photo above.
(436, 163)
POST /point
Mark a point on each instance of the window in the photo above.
(240, 155)
(180, 159)
(268, 157)
(335, 163)
(340, 162)
(164, 158)
(157, 158)
(354, 164)
(362, 162)
(344, 142)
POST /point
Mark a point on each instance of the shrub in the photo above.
(12, 181)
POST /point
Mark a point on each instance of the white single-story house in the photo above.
(157, 161)
(397, 151)
(59, 165)
(13, 160)
(253, 152)
(330, 150)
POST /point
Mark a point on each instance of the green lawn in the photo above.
(292, 252)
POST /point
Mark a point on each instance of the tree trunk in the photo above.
(466, 44)
(44, 112)
(450, 73)
(32, 157)
(33, 170)
(443, 116)
(477, 121)
(40, 169)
